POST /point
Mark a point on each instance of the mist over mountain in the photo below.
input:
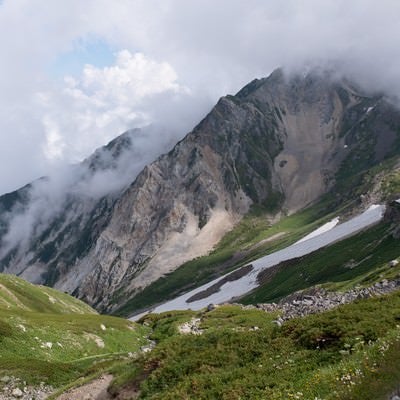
(82, 79)
(107, 228)
(28, 212)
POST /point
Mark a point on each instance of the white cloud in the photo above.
(53, 148)
(93, 108)
(133, 77)
(211, 48)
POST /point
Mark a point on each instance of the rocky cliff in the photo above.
(279, 143)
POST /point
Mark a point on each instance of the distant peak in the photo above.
(277, 76)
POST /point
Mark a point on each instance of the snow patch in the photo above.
(322, 229)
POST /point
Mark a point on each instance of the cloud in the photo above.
(71, 191)
(174, 59)
(91, 109)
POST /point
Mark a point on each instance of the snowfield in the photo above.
(322, 229)
(326, 234)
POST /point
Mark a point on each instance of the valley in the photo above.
(258, 257)
(238, 287)
(278, 147)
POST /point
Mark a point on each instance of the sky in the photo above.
(75, 74)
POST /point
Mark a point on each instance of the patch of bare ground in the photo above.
(131, 390)
(94, 390)
(269, 239)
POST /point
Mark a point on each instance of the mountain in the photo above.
(278, 145)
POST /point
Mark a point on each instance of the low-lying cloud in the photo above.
(70, 191)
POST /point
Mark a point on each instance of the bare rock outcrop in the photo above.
(318, 300)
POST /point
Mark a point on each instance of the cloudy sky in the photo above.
(76, 73)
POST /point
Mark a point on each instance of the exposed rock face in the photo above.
(62, 228)
(278, 143)
(392, 215)
(191, 327)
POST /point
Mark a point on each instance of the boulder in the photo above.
(17, 393)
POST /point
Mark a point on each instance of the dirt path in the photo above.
(95, 390)
(269, 239)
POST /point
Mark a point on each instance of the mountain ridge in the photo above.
(251, 149)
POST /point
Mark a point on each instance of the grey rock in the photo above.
(393, 263)
(210, 307)
(17, 393)
(323, 300)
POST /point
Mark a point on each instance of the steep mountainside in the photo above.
(58, 229)
(279, 143)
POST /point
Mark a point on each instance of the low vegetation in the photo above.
(391, 183)
(347, 353)
(48, 336)
(18, 294)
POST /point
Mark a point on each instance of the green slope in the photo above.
(48, 336)
(18, 294)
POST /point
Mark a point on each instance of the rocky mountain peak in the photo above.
(280, 143)
(107, 157)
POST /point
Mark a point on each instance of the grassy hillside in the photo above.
(348, 353)
(18, 294)
(48, 336)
